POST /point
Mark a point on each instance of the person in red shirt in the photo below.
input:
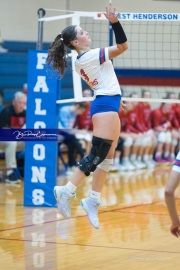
(145, 117)
(126, 140)
(161, 120)
(135, 127)
(139, 124)
(177, 112)
(133, 132)
(174, 118)
(84, 122)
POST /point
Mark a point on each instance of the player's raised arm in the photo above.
(120, 36)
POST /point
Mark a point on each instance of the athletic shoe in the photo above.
(139, 165)
(128, 166)
(160, 160)
(90, 206)
(63, 197)
(122, 168)
(150, 164)
(152, 161)
(12, 179)
(168, 159)
(114, 168)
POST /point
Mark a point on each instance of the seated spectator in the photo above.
(177, 112)
(87, 92)
(163, 118)
(144, 111)
(13, 116)
(174, 118)
(132, 134)
(117, 166)
(84, 122)
(140, 152)
(126, 145)
(25, 88)
(122, 149)
(67, 117)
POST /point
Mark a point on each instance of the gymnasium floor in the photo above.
(134, 232)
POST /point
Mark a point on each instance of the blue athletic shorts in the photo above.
(105, 104)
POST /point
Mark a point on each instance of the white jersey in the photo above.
(97, 71)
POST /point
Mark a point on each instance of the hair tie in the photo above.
(61, 37)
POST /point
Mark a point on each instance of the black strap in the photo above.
(120, 36)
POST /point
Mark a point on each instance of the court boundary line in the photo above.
(95, 246)
(100, 212)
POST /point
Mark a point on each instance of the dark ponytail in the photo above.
(57, 54)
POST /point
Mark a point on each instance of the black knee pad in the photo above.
(99, 151)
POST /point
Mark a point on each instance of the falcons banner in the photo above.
(40, 155)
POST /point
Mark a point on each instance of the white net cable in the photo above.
(152, 61)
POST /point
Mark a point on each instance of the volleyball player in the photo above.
(95, 67)
(171, 186)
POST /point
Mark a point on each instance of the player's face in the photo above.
(83, 37)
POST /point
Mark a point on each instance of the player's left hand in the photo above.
(123, 106)
(175, 230)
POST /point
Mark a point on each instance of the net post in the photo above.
(77, 85)
(41, 12)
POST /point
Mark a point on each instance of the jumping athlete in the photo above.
(95, 67)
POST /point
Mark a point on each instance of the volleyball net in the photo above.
(152, 61)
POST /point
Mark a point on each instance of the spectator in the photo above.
(67, 116)
(145, 117)
(25, 88)
(138, 131)
(13, 116)
(84, 122)
(174, 117)
(161, 119)
(126, 143)
(87, 92)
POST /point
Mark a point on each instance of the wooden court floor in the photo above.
(134, 232)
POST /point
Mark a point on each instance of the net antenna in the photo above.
(152, 61)
(41, 13)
